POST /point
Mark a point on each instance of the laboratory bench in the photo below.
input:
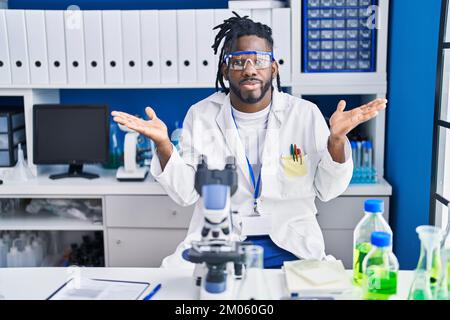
(137, 215)
(177, 284)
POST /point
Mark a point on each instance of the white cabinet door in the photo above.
(339, 244)
(128, 247)
(345, 212)
(146, 212)
(338, 219)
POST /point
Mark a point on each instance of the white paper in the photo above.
(255, 225)
(304, 277)
(90, 289)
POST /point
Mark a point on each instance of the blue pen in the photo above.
(153, 292)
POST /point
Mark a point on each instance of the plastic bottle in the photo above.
(42, 238)
(380, 268)
(14, 258)
(29, 256)
(3, 253)
(353, 145)
(372, 221)
(24, 239)
(358, 154)
(39, 251)
(21, 172)
(176, 134)
(7, 240)
(115, 150)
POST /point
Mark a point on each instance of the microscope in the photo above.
(219, 257)
(130, 170)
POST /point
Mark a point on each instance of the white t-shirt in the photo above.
(252, 131)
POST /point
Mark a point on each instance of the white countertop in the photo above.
(40, 283)
(107, 184)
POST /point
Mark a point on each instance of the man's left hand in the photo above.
(342, 122)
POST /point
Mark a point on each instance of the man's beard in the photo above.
(250, 99)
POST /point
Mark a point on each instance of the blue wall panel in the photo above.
(413, 40)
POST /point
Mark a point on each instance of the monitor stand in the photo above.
(75, 171)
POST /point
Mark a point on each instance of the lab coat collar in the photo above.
(230, 134)
(279, 102)
(227, 126)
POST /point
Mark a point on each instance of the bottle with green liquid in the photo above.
(372, 221)
(380, 269)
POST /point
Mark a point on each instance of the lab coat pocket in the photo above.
(295, 177)
(297, 168)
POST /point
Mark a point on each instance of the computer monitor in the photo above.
(70, 134)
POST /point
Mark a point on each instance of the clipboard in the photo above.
(99, 289)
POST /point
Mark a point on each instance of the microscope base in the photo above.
(138, 175)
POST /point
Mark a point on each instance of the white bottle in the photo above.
(7, 240)
(42, 238)
(22, 236)
(39, 252)
(14, 258)
(29, 256)
(21, 172)
(3, 253)
(54, 247)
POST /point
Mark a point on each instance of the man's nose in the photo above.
(249, 68)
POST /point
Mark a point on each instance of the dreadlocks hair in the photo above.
(230, 30)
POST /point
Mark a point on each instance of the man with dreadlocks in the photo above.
(286, 155)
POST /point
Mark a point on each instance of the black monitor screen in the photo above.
(70, 134)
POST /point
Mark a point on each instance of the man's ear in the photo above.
(224, 71)
(274, 69)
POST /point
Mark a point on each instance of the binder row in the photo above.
(74, 47)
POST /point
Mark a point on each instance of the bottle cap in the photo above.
(380, 239)
(374, 205)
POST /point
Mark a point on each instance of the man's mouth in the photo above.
(250, 84)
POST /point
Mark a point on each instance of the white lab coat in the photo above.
(288, 202)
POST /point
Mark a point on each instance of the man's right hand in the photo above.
(153, 128)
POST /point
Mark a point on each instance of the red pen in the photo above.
(295, 152)
(300, 154)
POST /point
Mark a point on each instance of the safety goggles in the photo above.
(238, 60)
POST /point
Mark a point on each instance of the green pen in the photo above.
(292, 152)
